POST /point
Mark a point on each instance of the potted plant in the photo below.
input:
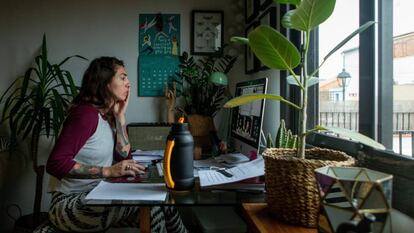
(292, 194)
(204, 85)
(34, 106)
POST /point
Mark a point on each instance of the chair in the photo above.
(148, 136)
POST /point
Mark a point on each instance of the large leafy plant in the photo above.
(201, 95)
(277, 52)
(35, 104)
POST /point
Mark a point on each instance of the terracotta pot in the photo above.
(200, 127)
(291, 189)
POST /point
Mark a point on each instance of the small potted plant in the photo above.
(292, 194)
(204, 86)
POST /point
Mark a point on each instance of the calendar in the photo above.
(158, 48)
(155, 73)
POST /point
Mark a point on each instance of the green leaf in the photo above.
(239, 39)
(349, 37)
(312, 81)
(269, 141)
(68, 58)
(308, 14)
(245, 99)
(281, 134)
(61, 78)
(291, 80)
(59, 106)
(355, 136)
(14, 83)
(8, 103)
(73, 87)
(26, 80)
(273, 49)
(25, 121)
(44, 55)
(47, 120)
(292, 2)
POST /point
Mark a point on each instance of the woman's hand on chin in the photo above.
(120, 107)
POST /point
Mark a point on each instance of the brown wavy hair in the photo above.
(94, 89)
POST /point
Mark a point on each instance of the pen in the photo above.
(224, 172)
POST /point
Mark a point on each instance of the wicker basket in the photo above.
(292, 194)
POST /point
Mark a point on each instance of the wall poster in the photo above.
(158, 49)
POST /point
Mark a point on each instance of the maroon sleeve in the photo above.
(78, 127)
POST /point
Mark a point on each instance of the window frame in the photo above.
(374, 125)
(375, 118)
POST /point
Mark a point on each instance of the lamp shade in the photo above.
(350, 193)
(343, 78)
(218, 78)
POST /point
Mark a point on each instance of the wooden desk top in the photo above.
(258, 220)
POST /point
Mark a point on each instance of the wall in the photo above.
(89, 28)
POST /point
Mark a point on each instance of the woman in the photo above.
(93, 145)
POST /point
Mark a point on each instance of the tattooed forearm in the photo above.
(82, 171)
(122, 142)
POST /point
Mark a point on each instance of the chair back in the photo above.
(148, 136)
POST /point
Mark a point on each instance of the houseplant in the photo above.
(34, 105)
(300, 204)
(204, 86)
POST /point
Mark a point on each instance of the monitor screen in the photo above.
(247, 119)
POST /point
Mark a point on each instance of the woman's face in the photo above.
(119, 85)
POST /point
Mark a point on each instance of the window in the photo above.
(380, 58)
(339, 77)
(381, 65)
(403, 76)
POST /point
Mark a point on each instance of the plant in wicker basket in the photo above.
(291, 187)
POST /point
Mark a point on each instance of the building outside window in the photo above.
(332, 111)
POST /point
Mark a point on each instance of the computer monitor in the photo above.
(247, 119)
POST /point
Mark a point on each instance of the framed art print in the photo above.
(207, 32)
(251, 62)
(251, 10)
(267, 18)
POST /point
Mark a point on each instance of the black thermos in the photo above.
(178, 158)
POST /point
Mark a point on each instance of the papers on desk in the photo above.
(128, 191)
(146, 156)
(240, 172)
(232, 158)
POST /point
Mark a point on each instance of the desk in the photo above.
(195, 197)
(259, 221)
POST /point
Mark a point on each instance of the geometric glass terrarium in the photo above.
(349, 193)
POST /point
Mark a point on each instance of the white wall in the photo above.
(90, 28)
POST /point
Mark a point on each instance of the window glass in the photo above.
(339, 81)
(403, 61)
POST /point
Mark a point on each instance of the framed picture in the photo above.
(264, 4)
(206, 32)
(251, 10)
(250, 61)
(267, 18)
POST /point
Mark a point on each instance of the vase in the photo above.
(348, 194)
(291, 191)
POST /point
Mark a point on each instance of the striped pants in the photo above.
(69, 213)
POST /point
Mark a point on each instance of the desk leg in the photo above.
(145, 219)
